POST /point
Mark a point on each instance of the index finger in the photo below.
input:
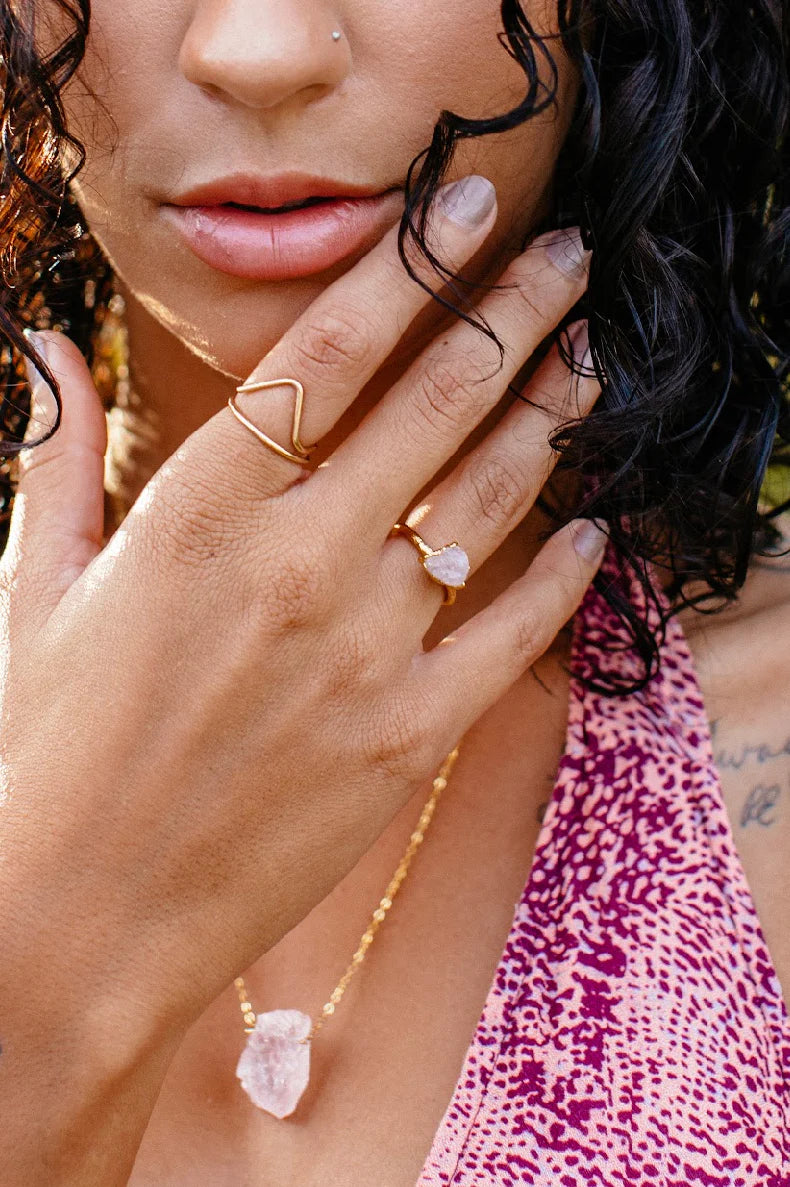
(346, 335)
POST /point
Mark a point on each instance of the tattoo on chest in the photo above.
(760, 804)
(736, 760)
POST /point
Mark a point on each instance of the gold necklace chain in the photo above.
(379, 915)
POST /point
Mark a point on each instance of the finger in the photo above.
(425, 418)
(488, 494)
(478, 663)
(57, 523)
(346, 335)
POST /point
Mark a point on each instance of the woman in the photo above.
(228, 690)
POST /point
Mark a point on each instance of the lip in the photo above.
(270, 243)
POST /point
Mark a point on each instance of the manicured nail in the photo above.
(589, 539)
(565, 250)
(467, 202)
(579, 335)
(42, 402)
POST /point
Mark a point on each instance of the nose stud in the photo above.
(336, 35)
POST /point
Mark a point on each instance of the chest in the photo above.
(386, 1066)
(742, 672)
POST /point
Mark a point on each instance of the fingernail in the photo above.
(467, 202)
(589, 539)
(42, 401)
(579, 336)
(566, 251)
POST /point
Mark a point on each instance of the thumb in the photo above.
(57, 525)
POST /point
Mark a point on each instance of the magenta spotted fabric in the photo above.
(635, 1032)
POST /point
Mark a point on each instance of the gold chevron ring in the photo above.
(300, 455)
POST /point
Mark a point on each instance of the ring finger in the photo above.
(448, 391)
(488, 494)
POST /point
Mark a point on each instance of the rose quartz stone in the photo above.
(274, 1066)
(449, 565)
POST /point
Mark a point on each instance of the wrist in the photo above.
(78, 1082)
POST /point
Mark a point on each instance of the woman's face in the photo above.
(258, 101)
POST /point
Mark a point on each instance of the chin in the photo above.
(228, 355)
(233, 331)
(229, 324)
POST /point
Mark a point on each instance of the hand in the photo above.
(208, 722)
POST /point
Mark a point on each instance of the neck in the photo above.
(175, 393)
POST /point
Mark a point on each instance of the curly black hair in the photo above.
(675, 168)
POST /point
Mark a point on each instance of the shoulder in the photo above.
(742, 656)
(742, 652)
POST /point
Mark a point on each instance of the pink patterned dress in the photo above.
(635, 1031)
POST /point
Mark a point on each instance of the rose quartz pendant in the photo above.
(449, 565)
(274, 1067)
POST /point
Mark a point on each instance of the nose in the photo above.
(264, 53)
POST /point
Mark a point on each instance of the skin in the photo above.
(255, 877)
(186, 107)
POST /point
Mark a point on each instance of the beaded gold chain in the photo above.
(378, 917)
